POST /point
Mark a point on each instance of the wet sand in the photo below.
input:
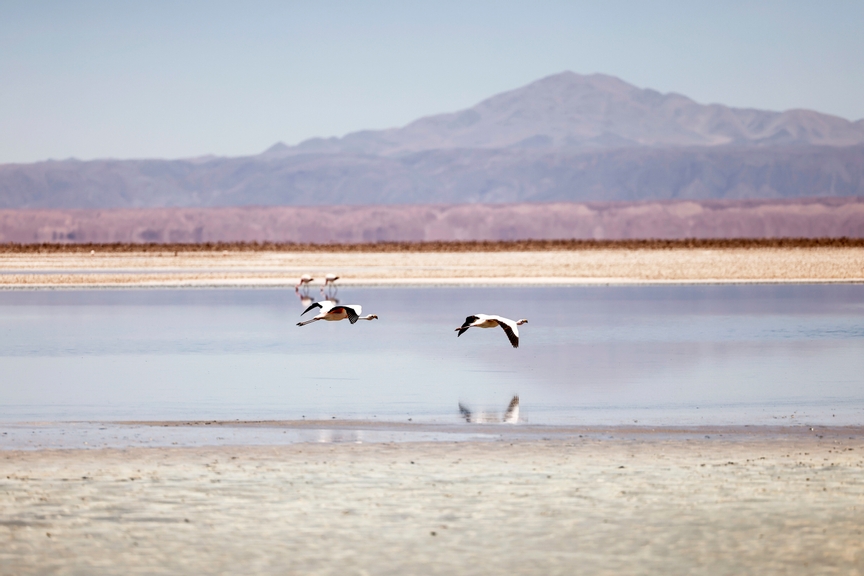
(576, 266)
(745, 500)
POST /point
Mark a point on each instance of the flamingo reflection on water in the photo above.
(305, 300)
(511, 416)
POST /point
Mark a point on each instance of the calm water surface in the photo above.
(760, 354)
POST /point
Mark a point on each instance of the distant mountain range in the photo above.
(566, 137)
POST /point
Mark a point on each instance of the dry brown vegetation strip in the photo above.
(467, 246)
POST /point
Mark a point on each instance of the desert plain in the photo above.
(738, 500)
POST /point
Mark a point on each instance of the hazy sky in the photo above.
(178, 79)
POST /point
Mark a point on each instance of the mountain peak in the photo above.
(278, 148)
(596, 81)
(596, 111)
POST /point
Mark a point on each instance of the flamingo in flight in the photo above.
(333, 312)
(489, 321)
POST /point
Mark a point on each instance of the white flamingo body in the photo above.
(329, 283)
(511, 327)
(304, 281)
(333, 312)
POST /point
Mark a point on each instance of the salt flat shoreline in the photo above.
(97, 435)
(595, 266)
(803, 429)
(717, 500)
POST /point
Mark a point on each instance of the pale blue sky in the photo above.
(178, 79)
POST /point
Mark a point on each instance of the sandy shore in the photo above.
(604, 501)
(616, 266)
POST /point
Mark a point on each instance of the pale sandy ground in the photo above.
(436, 268)
(612, 501)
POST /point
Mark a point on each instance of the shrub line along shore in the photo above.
(439, 246)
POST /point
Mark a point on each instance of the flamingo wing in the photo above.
(311, 306)
(468, 321)
(324, 305)
(511, 330)
(353, 313)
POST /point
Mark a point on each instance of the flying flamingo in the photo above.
(333, 312)
(487, 321)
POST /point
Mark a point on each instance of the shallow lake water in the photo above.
(664, 355)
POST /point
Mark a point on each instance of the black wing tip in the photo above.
(514, 340)
(311, 306)
(352, 314)
(465, 325)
